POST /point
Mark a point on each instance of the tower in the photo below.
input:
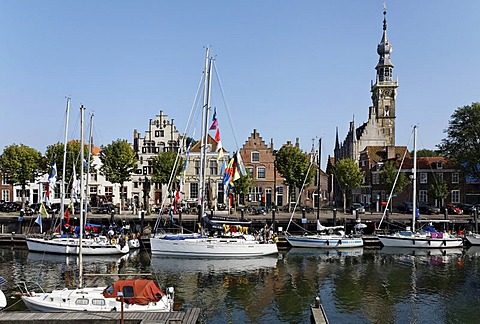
(384, 89)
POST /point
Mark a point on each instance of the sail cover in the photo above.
(135, 291)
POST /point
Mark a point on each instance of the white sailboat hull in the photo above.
(414, 241)
(324, 241)
(88, 299)
(473, 239)
(198, 246)
(72, 246)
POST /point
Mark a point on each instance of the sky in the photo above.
(289, 69)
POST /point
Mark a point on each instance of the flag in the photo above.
(228, 172)
(39, 221)
(224, 167)
(241, 167)
(47, 195)
(215, 120)
(75, 185)
(67, 216)
(52, 176)
(43, 211)
(219, 144)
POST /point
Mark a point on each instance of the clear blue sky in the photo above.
(290, 69)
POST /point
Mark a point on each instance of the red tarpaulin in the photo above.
(135, 291)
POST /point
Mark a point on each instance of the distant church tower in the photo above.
(385, 89)
(379, 130)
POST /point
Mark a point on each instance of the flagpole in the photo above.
(80, 258)
(62, 192)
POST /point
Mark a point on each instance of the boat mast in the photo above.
(414, 178)
(319, 183)
(62, 188)
(90, 145)
(204, 139)
(80, 258)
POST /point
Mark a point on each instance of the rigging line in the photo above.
(395, 182)
(179, 152)
(312, 159)
(232, 127)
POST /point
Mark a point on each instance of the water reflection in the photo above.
(355, 285)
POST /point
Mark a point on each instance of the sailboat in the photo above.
(135, 295)
(3, 299)
(66, 244)
(326, 237)
(426, 237)
(236, 243)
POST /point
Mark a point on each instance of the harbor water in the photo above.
(354, 285)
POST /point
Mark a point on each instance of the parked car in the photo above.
(405, 207)
(358, 207)
(428, 209)
(466, 208)
(452, 209)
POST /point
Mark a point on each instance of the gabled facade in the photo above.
(161, 136)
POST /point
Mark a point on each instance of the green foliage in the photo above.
(388, 175)
(243, 184)
(438, 188)
(349, 176)
(55, 152)
(462, 144)
(21, 164)
(426, 153)
(163, 164)
(293, 165)
(118, 161)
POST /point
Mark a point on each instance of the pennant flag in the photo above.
(224, 167)
(85, 164)
(228, 172)
(219, 144)
(47, 195)
(75, 185)
(215, 120)
(187, 153)
(52, 176)
(43, 211)
(240, 165)
(39, 222)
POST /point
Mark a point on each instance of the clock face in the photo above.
(386, 93)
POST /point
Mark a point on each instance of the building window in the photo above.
(250, 170)
(109, 191)
(5, 195)
(423, 177)
(256, 194)
(261, 172)
(93, 190)
(455, 196)
(423, 196)
(439, 176)
(197, 167)
(4, 180)
(455, 178)
(193, 190)
(213, 167)
(255, 157)
(376, 178)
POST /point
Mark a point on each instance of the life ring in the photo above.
(113, 241)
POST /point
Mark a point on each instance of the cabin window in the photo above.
(110, 290)
(81, 301)
(128, 292)
(98, 302)
(255, 157)
(455, 178)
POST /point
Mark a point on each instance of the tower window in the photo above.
(387, 111)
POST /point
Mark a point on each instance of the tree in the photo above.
(295, 167)
(349, 176)
(244, 184)
(163, 166)
(462, 144)
(438, 189)
(21, 164)
(118, 164)
(388, 176)
(426, 153)
(55, 152)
